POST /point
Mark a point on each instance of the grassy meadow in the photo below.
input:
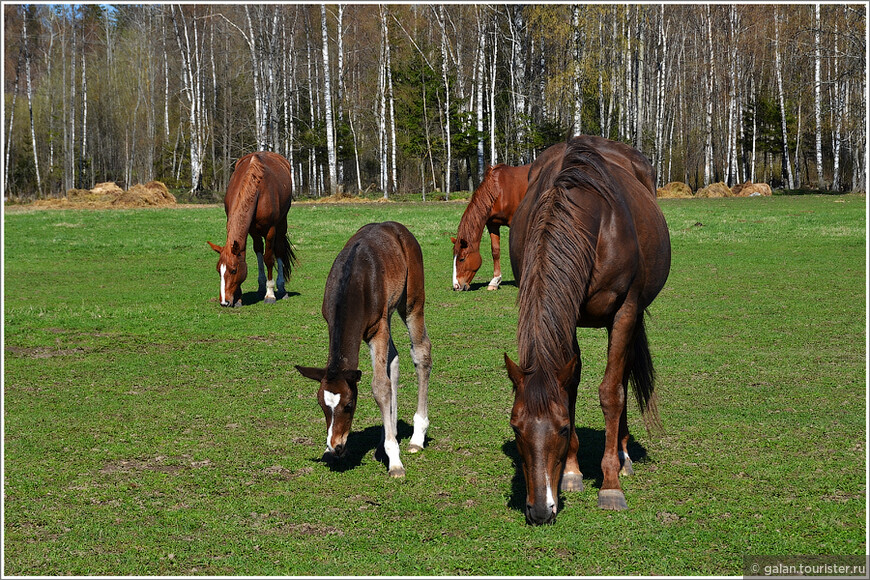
(147, 431)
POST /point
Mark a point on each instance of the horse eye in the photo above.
(348, 408)
(564, 431)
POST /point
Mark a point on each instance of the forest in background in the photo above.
(410, 98)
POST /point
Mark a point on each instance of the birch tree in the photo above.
(781, 93)
(818, 95)
(327, 93)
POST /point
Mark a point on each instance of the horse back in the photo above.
(261, 181)
(379, 270)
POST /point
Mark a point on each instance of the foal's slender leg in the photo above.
(421, 354)
(385, 380)
(611, 393)
(495, 241)
(269, 259)
(572, 477)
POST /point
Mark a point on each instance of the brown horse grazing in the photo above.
(379, 271)
(257, 202)
(595, 253)
(493, 203)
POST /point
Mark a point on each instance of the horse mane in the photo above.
(477, 211)
(341, 312)
(245, 203)
(559, 258)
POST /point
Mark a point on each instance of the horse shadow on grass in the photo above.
(589, 457)
(253, 297)
(478, 285)
(361, 443)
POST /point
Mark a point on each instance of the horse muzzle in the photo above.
(539, 515)
(461, 287)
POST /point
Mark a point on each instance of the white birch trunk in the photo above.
(339, 84)
(493, 157)
(478, 92)
(708, 148)
(778, 71)
(327, 83)
(446, 79)
(578, 70)
(818, 102)
(11, 123)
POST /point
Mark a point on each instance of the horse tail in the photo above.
(288, 256)
(641, 375)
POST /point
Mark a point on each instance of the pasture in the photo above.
(148, 431)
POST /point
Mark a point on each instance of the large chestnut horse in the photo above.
(590, 248)
(257, 202)
(379, 271)
(493, 204)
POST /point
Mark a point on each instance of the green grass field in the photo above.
(150, 432)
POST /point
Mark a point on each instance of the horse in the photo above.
(379, 271)
(257, 201)
(493, 203)
(590, 248)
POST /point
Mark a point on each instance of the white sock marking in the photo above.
(421, 424)
(391, 448)
(495, 281)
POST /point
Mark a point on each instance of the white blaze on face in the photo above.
(331, 400)
(551, 501)
(455, 281)
(223, 284)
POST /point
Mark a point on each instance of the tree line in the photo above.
(410, 98)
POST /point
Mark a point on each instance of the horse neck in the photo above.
(558, 260)
(244, 203)
(477, 212)
(346, 321)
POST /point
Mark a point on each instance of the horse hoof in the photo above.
(269, 300)
(571, 482)
(612, 499)
(238, 303)
(492, 287)
(627, 468)
(414, 448)
(397, 472)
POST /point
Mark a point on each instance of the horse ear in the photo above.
(452, 240)
(514, 372)
(235, 249)
(215, 247)
(313, 373)
(567, 371)
(352, 376)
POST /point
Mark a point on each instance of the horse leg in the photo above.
(385, 383)
(269, 259)
(261, 271)
(421, 354)
(611, 393)
(281, 240)
(572, 477)
(495, 241)
(623, 434)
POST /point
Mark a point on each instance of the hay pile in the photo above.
(674, 190)
(714, 190)
(750, 189)
(108, 195)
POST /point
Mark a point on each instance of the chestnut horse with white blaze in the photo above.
(379, 271)
(590, 248)
(493, 204)
(257, 201)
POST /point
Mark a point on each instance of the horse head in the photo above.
(337, 397)
(466, 262)
(233, 270)
(543, 432)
